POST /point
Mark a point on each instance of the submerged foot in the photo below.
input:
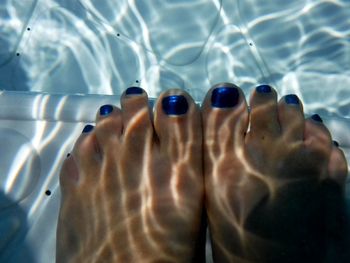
(132, 188)
(273, 192)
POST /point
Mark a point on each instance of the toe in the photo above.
(225, 118)
(264, 122)
(178, 125)
(338, 168)
(318, 142)
(291, 118)
(316, 134)
(85, 153)
(137, 137)
(138, 128)
(69, 175)
(108, 128)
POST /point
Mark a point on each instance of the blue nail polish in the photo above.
(105, 110)
(175, 105)
(336, 143)
(263, 89)
(133, 91)
(224, 97)
(291, 99)
(316, 117)
(88, 128)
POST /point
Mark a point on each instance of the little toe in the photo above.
(178, 125)
(85, 153)
(225, 118)
(69, 174)
(291, 118)
(337, 167)
(264, 122)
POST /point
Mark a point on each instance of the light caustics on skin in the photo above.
(245, 172)
(143, 190)
(180, 166)
(143, 198)
(174, 199)
(241, 180)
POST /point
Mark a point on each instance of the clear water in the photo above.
(54, 49)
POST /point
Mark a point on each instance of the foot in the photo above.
(268, 187)
(132, 188)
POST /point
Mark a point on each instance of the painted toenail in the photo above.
(88, 128)
(336, 143)
(224, 97)
(175, 105)
(291, 99)
(263, 89)
(68, 154)
(133, 91)
(105, 110)
(316, 117)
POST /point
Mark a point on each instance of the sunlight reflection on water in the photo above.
(89, 48)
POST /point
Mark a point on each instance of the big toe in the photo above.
(225, 122)
(177, 124)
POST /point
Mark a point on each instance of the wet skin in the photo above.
(274, 191)
(134, 188)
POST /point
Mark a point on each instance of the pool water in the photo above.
(62, 59)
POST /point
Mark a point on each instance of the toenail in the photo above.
(88, 128)
(291, 99)
(263, 89)
(224, 97)
(68, 155)
(316, 117)
(105, 110)
(336, 143)
(175, 105)
(133, 91)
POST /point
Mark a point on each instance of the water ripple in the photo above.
(303, 47)
(175, 31)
